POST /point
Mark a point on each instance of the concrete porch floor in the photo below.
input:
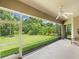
(62, 49)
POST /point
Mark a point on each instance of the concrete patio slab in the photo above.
(62, 49)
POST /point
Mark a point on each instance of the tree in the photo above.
(6, 28)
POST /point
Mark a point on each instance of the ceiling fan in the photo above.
(61, 13)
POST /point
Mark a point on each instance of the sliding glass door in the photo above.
(68, 31)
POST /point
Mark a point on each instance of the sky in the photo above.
(18, 15)
(27, 17)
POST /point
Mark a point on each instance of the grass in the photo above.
(28, 41)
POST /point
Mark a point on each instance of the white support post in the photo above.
(72, 31)
(20, 38)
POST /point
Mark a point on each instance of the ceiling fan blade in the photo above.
(68, 13)
(57, 17)
(64, 16)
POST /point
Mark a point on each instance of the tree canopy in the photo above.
(30, 25)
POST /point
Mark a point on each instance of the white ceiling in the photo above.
(51, 7)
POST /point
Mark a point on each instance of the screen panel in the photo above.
(9, 33)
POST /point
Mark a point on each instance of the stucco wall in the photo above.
(76, 26)
(69, 21)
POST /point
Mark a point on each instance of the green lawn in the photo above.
(28, 41)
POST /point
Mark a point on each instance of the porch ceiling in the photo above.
(25, 8)
(47, 9)
(51, 7)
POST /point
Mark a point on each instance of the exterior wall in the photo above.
(76, 26)
(69, 21)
